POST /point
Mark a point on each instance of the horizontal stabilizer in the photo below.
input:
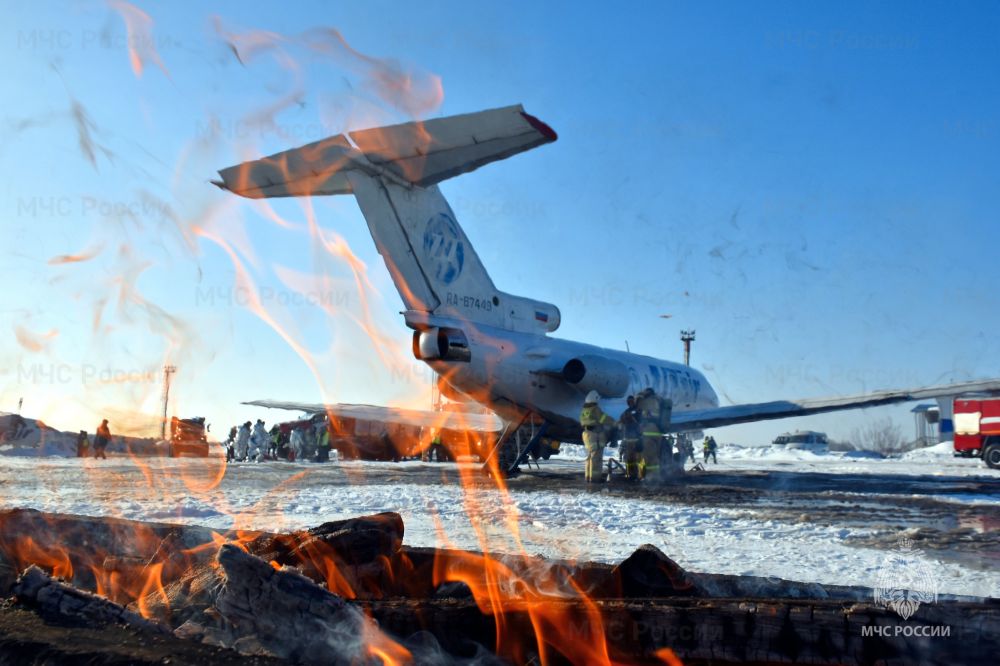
(416, 153)
(780, 409)
(473, 421)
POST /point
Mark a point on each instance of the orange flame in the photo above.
(667, 656)
(86, 255)
(55, 559)
(139, 35)
(380, 645)
(153, 581)
(34, 342)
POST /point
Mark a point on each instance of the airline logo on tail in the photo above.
(444, 248)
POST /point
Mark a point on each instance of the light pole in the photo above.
(167, 371)
(687, 337)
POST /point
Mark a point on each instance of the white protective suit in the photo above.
(258, 441)
(242, 442)
(297, 444)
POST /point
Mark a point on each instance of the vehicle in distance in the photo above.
(808, 440)
(187, 437)
(977, 429)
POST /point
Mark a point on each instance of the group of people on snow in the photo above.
(303, 441)
(647, 451)
(101, 440)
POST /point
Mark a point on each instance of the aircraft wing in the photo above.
(780, 409)
(415, 417)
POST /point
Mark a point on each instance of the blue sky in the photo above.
(813, 188)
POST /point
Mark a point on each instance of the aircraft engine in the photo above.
(595, 373)
(441, 344)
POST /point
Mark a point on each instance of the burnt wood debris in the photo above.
(108, 590)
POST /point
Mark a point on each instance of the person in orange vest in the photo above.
(101, 439)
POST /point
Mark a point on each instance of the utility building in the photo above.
(926, 419)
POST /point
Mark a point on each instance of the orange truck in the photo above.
(187, 437)
(977, 429)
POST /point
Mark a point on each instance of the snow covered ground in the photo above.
(935, 460)
(605, 524)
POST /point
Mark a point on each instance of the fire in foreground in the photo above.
(350, 591)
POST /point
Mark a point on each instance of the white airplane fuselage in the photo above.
(513, 373)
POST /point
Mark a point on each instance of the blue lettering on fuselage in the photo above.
(678, 385)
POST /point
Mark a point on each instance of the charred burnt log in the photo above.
(353, 557)
(719, 631)
(26, 639)
(53, 599)
(86, 547)
(352, 541)
(287, 614)
(649, 573)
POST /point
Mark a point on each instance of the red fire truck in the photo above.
(977, 429)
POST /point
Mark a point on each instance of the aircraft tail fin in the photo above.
(393, 172)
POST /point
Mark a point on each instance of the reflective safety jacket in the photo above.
(630, 423)
(656, 413)
(592, 415)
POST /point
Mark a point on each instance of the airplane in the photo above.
(485, 344)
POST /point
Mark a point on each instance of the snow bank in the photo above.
(29, 437)
(770, 452)
(942, 450)
(32, 438)
(932, 461)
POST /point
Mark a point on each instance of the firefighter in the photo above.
(434, 448)
(686, 448)
(631, 440)
(243, 442)
(322, 442)
(296, 445)
(274, 441)
(709, 447)
(258, 441)
(654, 421)
(101, 439)
(230, 443)
(595, 426)
(308, 442)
